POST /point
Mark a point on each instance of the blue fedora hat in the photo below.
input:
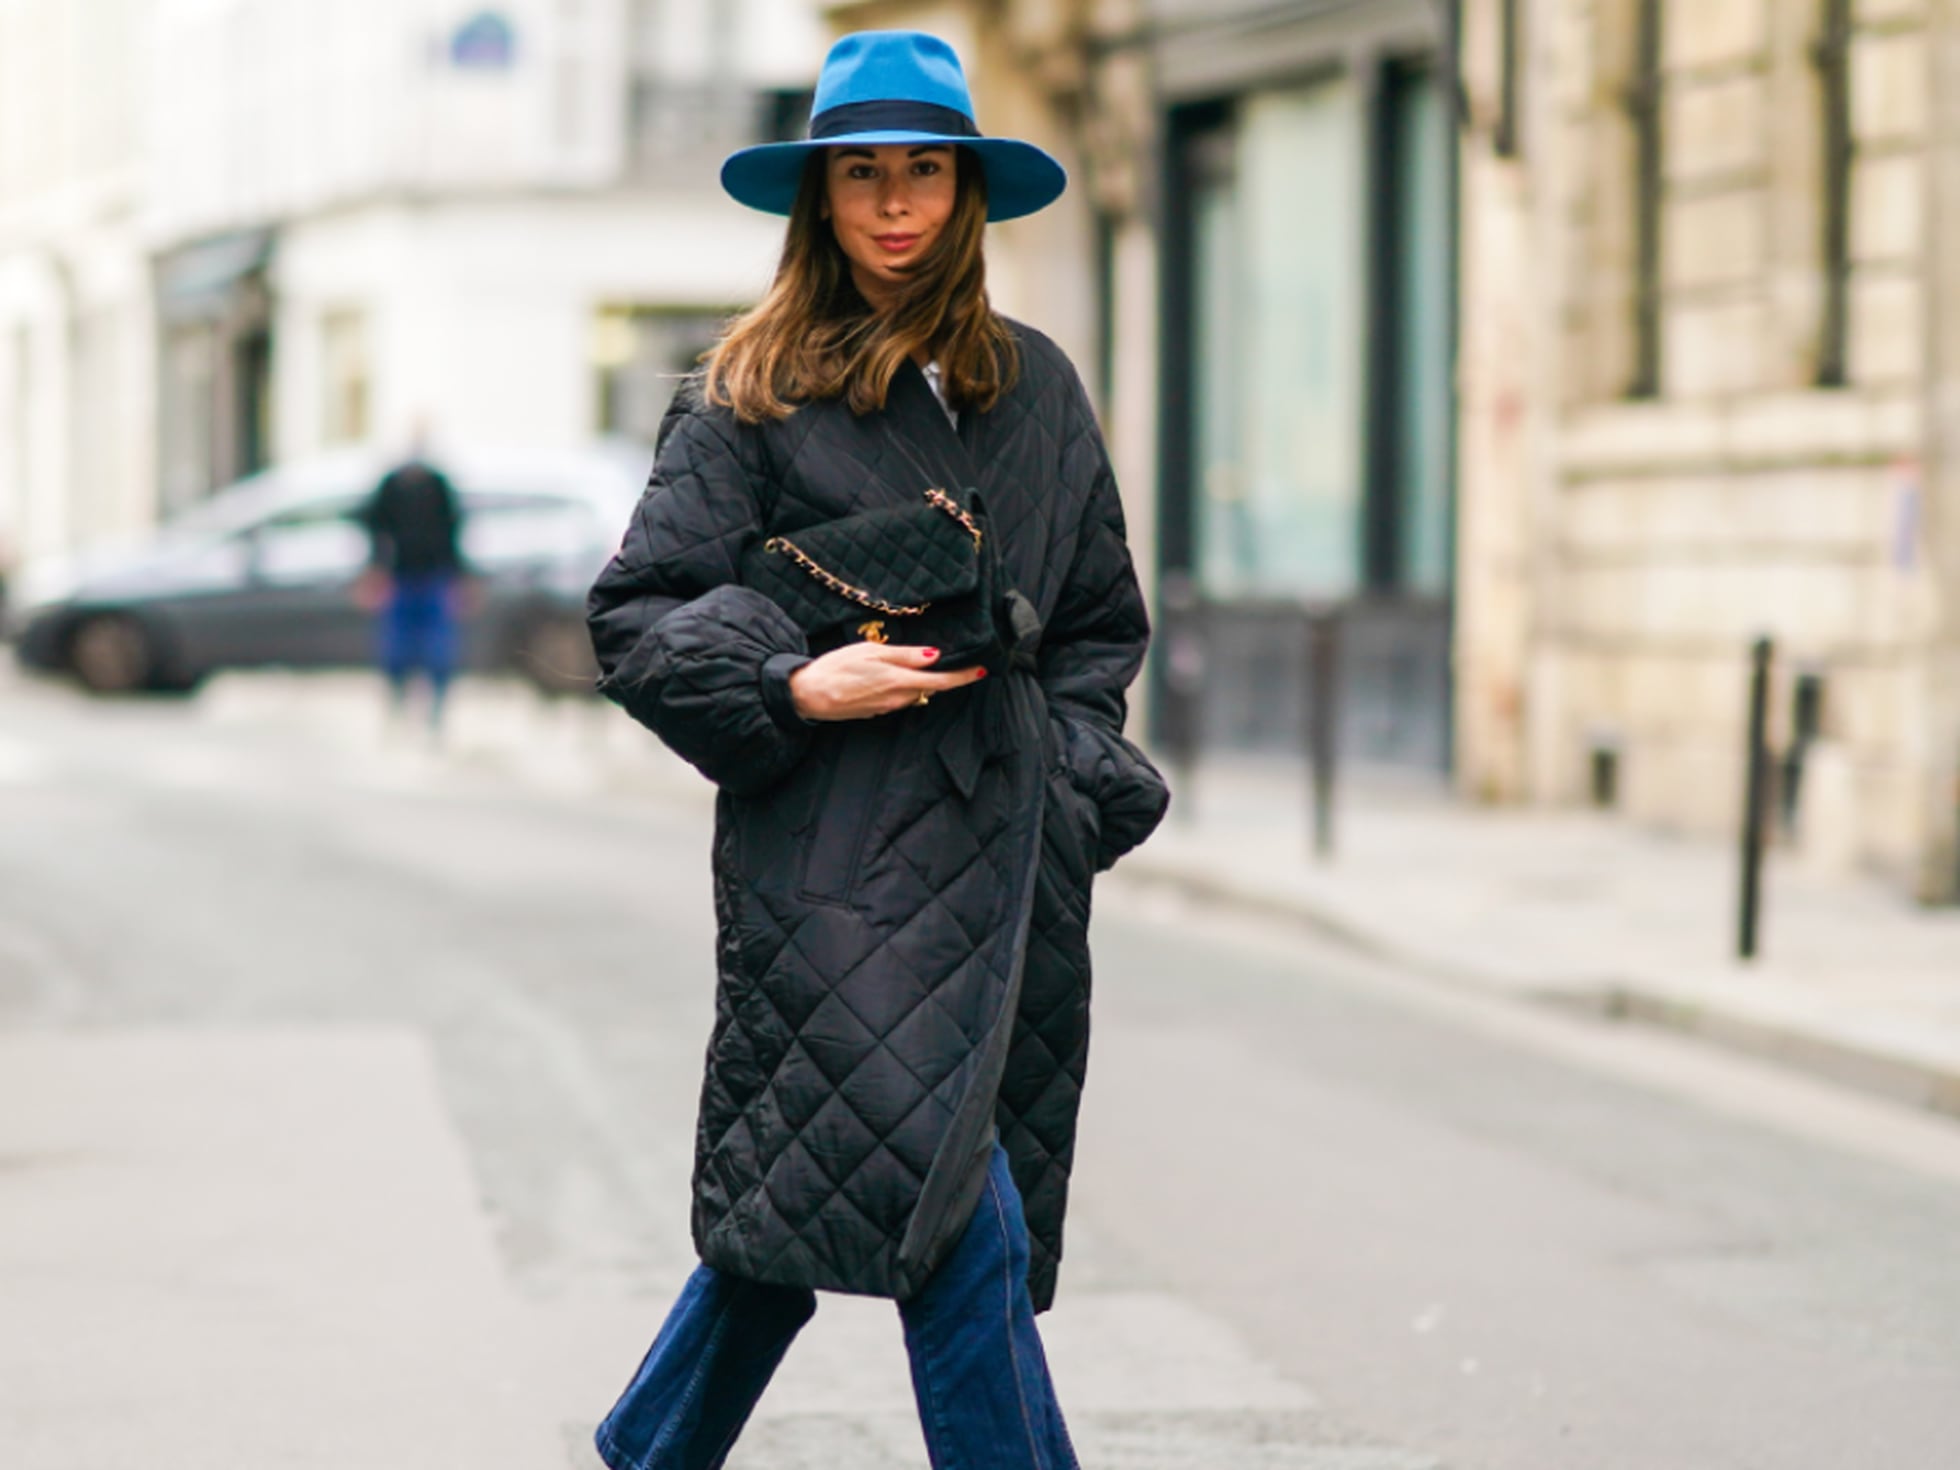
(895, 87)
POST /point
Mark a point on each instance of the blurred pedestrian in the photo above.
(906, 835)
(415, 581)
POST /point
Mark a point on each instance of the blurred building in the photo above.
(277, 227)
(77, 377)
(1711, 342)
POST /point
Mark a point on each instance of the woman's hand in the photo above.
(861, 680)
(372, 589)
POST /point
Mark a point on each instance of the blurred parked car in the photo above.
(263, 573)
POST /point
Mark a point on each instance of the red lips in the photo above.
(896, 244)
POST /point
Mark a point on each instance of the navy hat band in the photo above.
(891, 116)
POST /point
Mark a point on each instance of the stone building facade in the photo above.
(1702, 357)
(1709, 288)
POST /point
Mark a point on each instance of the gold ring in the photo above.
(923, 698)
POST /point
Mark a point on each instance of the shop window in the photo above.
(1509, 21)
(187, 418)
(686, 100)
(1276, 323)
(1833, 58)
(1644, 110)
(252, 379)
(344, 371)
(639, 356)
(786, 114)
(1106, 227)
(1307, 370)
(1311, 340)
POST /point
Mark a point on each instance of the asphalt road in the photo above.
(1327, 1215)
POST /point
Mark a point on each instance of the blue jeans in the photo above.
(418, 630)
(978, 1371)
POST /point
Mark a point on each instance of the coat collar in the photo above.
(928, 442)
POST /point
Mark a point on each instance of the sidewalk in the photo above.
(1577, 909)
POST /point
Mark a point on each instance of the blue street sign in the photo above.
(484, 42)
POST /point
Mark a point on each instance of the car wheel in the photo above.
(112, 654)
(554, 652)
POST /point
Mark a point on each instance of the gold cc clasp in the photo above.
(873, 631)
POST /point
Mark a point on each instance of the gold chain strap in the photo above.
(952, 508)
(782, 545)
(837, 584)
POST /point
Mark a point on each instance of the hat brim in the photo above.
(1021, 178)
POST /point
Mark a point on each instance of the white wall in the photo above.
(68, 115)
(261, 109)
(480, 311)
(33, 429)
(75, 405)
(266, 109)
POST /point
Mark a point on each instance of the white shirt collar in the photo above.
(936, 382)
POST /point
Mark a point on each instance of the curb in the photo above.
(1920, 1084)
(1861, 1067)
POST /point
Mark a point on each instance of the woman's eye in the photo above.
(925, 166)
(863, 171)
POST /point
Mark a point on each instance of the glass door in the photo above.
(1276, 375)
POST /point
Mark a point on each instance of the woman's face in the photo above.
(888, 205)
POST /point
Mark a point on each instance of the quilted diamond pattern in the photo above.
(902, 904)
(904, 556)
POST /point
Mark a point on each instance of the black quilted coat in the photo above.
(903, 901)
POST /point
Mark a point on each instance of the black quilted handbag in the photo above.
(919, 574)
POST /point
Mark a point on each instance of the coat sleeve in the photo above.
(1093, 647)
(698, 659)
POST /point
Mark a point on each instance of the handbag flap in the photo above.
(903, 557)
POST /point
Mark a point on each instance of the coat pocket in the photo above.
(1127, 792)
(835, 842)
(1074, 830)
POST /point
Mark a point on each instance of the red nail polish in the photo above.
(931, 653)
(981, 675)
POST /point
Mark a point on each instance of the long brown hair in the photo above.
(814, 336)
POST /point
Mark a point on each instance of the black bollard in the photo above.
(1323, 720)
(1184, 680)
(1755, 801)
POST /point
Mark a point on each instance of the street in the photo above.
(1327, 1214)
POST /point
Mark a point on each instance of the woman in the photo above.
(902, 854)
